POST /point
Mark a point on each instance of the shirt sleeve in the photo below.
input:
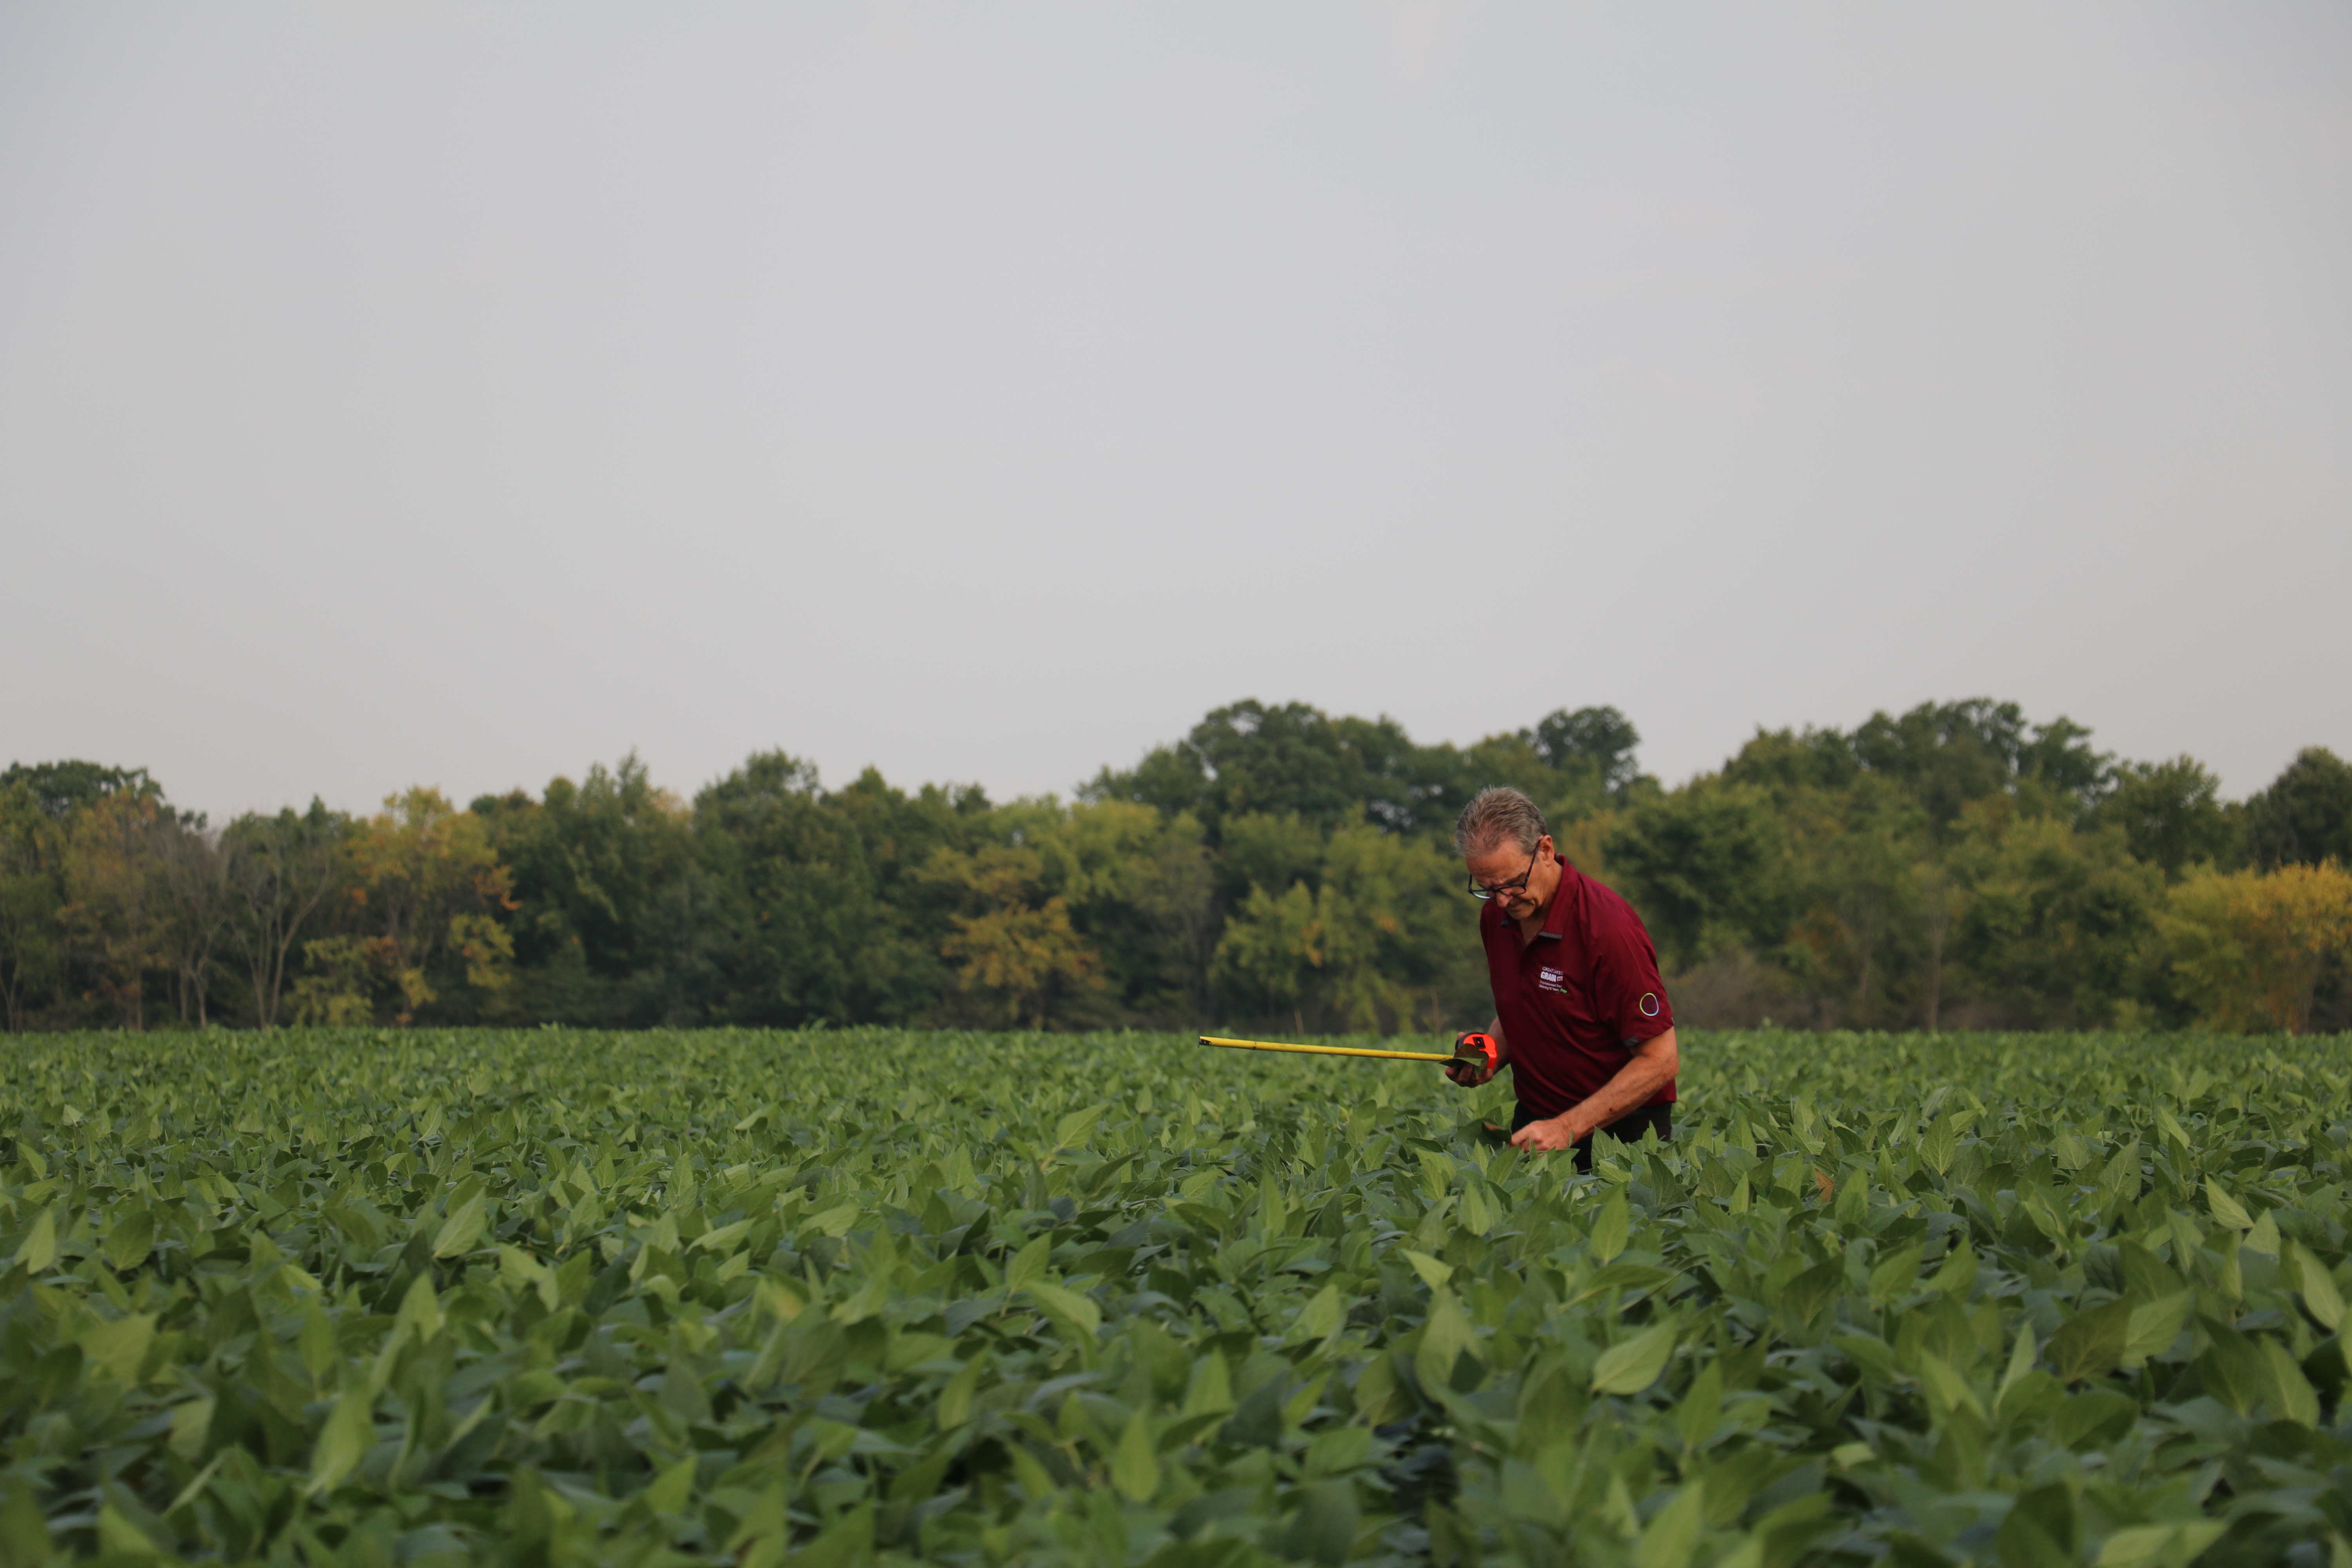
(1627, 987)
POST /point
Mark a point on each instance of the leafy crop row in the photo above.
(555, 1297)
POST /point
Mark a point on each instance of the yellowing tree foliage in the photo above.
(2249, 947)
(1017, 957)
(428, 888)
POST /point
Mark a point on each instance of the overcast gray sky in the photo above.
(463, 394)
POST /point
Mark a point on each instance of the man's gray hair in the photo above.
(1495, 814)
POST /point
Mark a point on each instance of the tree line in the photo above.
(1279, 868)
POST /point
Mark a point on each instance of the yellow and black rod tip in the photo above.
(1332, 1050)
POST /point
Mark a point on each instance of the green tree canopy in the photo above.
(2171, 813)
(59, 789)
(1956, 863)
(2305, 817)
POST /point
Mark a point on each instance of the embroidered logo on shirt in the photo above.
(1550, 979)
(1649, 1004)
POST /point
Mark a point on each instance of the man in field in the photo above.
(1579, 1012)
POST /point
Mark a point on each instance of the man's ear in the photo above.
(1545, 846)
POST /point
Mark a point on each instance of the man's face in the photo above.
(1522, 883)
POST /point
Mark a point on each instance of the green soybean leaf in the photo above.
(1958, 1274)
(2153, 1327)
(1135, 1465)
(671, 1491)
(1810, 1293)
(343, 1442)
(1337, 1450)
(463, 1227)
(1321, 1316)
(1669, 1540)
(2160, 1545)
(2232, 1368)
(2091, 1343)
(1633, 1365)
(39, 1247)
(724, 1238)
(2119, 1181)
(1210, 1389)
(1444, 1337)
(1324, 1529)
(836, 1221)
(1433, 1273)
(1701, 1409)
(1071, 1131)
(2226, 1209)
(420, 1310)
(2312, 1281)
(1478, 1215)
(120, 1346)
(1947, 1387)
(2292, 1395)
(130, 1242)
(2020, 1362)
(1937, 1147)
(1610, 1227)
(954, 1406)
(1078, 1310)
(316, 1341)
(1896, 1274)
(1030, 1263)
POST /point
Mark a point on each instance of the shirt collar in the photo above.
(1555, 918)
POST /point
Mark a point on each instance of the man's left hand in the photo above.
(1547, 1137)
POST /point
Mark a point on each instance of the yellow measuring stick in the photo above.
(1333, 1050)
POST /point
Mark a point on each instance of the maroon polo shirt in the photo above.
(1575, 1001)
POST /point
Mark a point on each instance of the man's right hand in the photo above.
(1466, 1073)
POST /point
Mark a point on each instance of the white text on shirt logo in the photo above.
(1550, 980)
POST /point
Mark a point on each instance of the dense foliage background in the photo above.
(1280, 868)
(847, 1297)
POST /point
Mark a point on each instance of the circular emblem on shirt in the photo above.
(1649, 1004)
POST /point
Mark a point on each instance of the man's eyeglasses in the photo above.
(1482, 892)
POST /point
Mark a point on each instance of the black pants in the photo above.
(1627, 1127)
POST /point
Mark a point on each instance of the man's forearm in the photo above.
(1653, 1067)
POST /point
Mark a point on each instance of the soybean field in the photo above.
(863, 1296)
